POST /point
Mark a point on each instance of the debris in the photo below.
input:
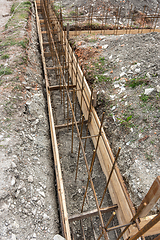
(158, 88)
(148, 91)
(13, 181)
(13, 165)
(58, 237)
(30, 178)
(21, 184)
(137, 70)
(5, 15)
(144, 138)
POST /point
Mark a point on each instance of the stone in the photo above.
(13, 181)
(137, 70)
(148, 91)
(158, 88)
(42, 193)
(58, 237)
(34, 235)
(148, 75)
(17, 193)
(122, 74)
(34, 211)
(21, 184)
(13, 165)
(5, 15)
(13, 236)
(105, 46)
(45, 216)
(30, 178)
(29, 137)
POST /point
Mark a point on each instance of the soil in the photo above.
(122, 69)
(28, 202)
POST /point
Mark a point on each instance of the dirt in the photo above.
(121, 71)
(28, 202)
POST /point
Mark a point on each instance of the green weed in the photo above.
(136, 82)
(5, 71)
(144, 97)
(5, 56)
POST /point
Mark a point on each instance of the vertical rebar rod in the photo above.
(76, 83)
(89, 118)
(72, 120)
(110, 175)
(119, 13)
(91, 20)
(68, 89)
(79, 148)
(105, 20)
(82, 95)
(145, 7)
(156, 21)
(153, 18)
(109, 221)
(81, 223)
(92, 162)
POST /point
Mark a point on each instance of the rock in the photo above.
(105, 46)
(148, 75)
(17, 193)
(5, 15)
(30, 137)
(13, 181)
(42, 193)
(21, 184)
(148, 91)
(13, 236)
(158, 88)
(58, 237)
(122, 74)
(34, 235)
(113, 108)
(45, 216)
(30, 178)
(34, 211)
(137, 70)
(13, 165)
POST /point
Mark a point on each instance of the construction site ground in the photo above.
(121, 69)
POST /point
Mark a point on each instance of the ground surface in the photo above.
(121, 69)
(28, 204)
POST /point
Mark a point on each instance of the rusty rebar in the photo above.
(110, 175)
(79, 148)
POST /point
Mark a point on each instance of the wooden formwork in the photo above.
(119, 195)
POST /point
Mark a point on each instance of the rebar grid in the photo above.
(146, 19)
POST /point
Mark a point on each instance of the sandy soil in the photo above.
(28, 203)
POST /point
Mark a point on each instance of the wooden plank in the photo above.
(143, 221)
(112, 32)
(151, 198)
(92, 213)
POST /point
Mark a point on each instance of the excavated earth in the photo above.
(125, 73)
(28, 202)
